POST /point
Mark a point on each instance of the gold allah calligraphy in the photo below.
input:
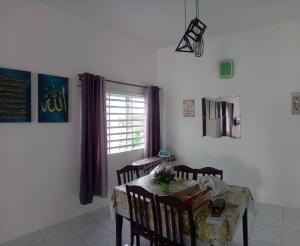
(54, 100)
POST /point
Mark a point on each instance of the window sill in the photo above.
(126, 152)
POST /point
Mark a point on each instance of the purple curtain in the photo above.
(93, 179)
(152, 144)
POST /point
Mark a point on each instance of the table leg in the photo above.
(245, 227)
(119, 225)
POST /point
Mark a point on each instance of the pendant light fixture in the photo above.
(192, 40)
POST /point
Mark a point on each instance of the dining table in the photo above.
(216, 231)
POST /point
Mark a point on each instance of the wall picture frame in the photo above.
(188, 108)
(53, 98)
(15, 95)
(226, 69)
(296, 103)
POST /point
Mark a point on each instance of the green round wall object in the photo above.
(226, 69)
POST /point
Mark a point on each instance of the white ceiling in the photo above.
(160, 23)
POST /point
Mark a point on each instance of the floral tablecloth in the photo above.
(209, 231)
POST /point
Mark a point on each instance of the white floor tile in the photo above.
(109, 224)
(269, 215)
(55, 230)
(101, 214)
(271, 218)
(239, 231)
(292, 211)
(291, 222)
(269, 208)
(266, 234)
(70, 239)
(255, 243)
(252, 211)
(81, 220)
(108, 241)
(93, 232)
(28, 240)
(250, 243)
(290, 238)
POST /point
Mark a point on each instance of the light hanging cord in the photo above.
(192, 41)
(198, 44)
(199, 48)
(185, 15)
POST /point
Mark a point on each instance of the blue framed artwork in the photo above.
(15, 95)
(53, 93)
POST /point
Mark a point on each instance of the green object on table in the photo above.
(226, 69)
(165, 187)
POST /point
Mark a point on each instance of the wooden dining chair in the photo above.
(141, 203)
(127, 174)
(171, 212)
(210, 171)
(185, 172)
(147, 168)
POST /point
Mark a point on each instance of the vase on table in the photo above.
(165, 187)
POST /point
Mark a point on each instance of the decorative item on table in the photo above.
(53, 98)
(15, 95)
(296, 103)
(201, 198)
(217, 185)
(166, 156)
(188, 108)
(217, 207)
(164, 153)
(164, 176)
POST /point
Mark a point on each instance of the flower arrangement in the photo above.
(164, 175)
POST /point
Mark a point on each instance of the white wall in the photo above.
(267, 64)
(40, 163)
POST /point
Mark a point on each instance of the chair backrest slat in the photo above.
(180, 226)
(176, 209)
(127, 174)
(141, 203)
(184, 172)
(174, 229)
(167, 222)
(210, 171)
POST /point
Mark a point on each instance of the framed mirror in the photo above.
(221, 117)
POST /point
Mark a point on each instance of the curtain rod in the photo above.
(122, 83)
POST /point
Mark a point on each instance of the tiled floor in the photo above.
(272, 226)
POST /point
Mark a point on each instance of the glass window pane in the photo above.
(137, 105)
(117, 143)
(138, 129)
(117, 117)
(118, 110)
(116, 137)
(125, 122)
(116, 123)
(140, 99)
(138, 147)
(117, 103)
(117, 130)
(117, 97)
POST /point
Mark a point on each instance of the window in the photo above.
(125, 122)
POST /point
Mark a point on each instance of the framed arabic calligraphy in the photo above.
(15, 95)
(53, 93)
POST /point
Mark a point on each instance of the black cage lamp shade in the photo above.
(193, 34)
